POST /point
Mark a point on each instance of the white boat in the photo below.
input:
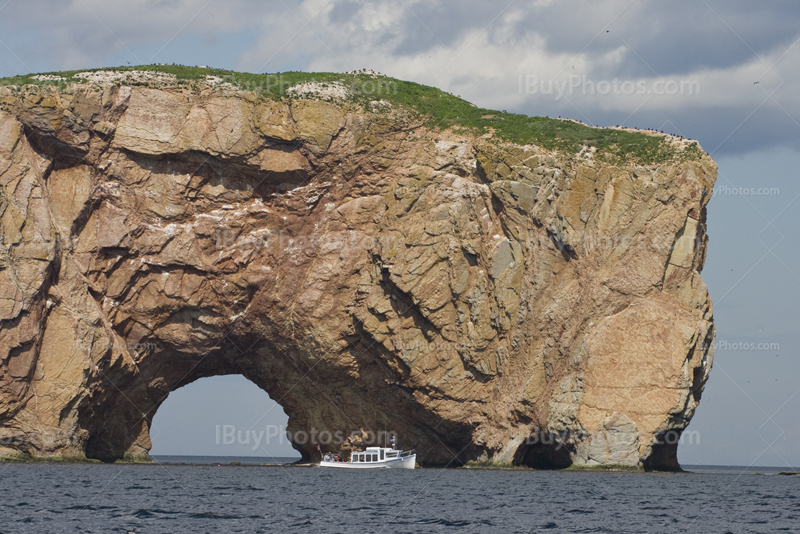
(374, 458)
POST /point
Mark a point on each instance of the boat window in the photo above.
(374, 457)
(381, 454)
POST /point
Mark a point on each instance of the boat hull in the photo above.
(406, 462)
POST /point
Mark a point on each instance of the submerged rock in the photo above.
(485, 300)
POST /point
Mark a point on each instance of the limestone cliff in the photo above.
(485, 299)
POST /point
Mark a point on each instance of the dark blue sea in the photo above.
(193, 494)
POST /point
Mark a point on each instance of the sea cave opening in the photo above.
(221, 417)
(544, 450)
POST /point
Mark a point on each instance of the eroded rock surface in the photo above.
(484, 300)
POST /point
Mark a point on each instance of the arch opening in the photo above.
(224, 416)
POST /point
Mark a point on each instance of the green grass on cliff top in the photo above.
(441, 109)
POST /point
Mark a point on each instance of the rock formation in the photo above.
(485, 300)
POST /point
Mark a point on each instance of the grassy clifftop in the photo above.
(439, 109)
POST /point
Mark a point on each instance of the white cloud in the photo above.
(476, 49)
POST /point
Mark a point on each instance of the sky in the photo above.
(720, 72)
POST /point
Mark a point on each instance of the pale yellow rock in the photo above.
(221, 126)
(69, 191)
(317, 122)
(63, 367)
(685, 245)
(635, 364)
(274, 120)
(152, 121)
(9, 133)
(279, 161)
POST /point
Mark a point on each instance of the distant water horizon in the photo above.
(738, 469)
(222, 460)
(288, 460)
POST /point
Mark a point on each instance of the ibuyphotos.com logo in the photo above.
(531, 84)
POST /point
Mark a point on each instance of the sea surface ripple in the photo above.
(172, 498)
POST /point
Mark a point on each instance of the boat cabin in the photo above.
(374, 454)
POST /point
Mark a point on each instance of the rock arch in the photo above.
(369, 273)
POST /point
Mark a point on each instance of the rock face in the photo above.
(484, 300)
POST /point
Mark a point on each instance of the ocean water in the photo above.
(176, 498)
